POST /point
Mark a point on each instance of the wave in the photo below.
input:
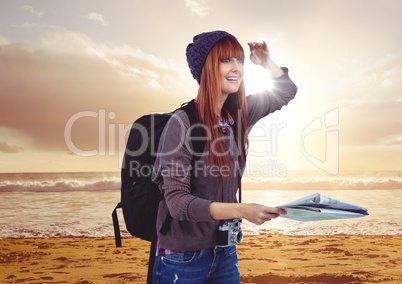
(61, 182)
(52, 182)
(59, 186)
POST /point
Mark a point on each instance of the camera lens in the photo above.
(236, 236)
(239, 237)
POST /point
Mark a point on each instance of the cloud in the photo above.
(393, 140)
(367, 92)
(32, 10)
(6, 148)
(3, 41)
(371, 124)
(369, 96)
(270, 37)
(99, 18)
(198, 7)
(126, 60)
(105, 87)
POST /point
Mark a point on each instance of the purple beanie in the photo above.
(198, 50)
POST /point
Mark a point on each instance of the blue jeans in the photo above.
(212, 265)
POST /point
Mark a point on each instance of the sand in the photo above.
(262, 259)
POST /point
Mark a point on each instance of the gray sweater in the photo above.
(189, 187)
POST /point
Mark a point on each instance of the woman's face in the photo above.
(231, 70)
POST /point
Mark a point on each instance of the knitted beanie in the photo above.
(198, 50)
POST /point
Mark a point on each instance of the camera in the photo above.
(229, 233)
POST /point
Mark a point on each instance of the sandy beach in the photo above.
(262, 259)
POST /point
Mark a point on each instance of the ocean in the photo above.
(81, 204)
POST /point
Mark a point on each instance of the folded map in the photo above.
(318, 207)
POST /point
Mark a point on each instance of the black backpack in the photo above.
(140, 196)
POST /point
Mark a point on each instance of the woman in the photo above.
(201, 195)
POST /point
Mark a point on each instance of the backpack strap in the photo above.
(239, 184)
(116, 226)
(166, 224)
(151, 261)
(196, 132)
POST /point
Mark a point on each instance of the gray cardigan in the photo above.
(189, 187)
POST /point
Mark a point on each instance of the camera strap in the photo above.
(239, 178)
(239, 184)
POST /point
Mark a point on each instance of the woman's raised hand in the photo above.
(259, 53)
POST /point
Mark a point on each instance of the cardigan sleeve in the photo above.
(262, 104)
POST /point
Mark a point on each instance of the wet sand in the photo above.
(262, 259)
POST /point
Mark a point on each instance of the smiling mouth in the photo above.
(232, 79)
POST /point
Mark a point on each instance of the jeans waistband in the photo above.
(163, 251)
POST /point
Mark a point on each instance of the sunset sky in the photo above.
(74, 75)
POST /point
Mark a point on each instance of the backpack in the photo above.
(140, 196)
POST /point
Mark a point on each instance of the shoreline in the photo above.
(262, 259)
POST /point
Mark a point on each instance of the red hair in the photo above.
(208, 98)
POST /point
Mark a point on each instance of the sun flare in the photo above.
(256, 79)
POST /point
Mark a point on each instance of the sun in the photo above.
(256, 79)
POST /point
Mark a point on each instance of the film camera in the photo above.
(229, 233)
